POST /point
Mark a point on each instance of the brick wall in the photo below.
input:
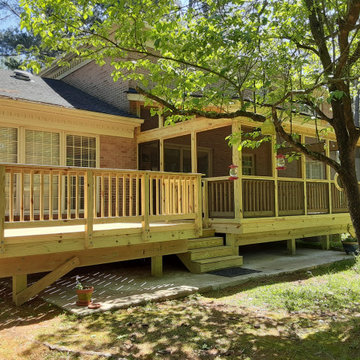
(97, 81)
(117, 152)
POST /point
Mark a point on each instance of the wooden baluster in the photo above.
(22, 184)
(11, 196)
(110, 197)
(158, 204)
(137, 193)
(31, 200)
(89, 205)
(51, 179)
(185, 196)
(124, 193)
(77, 215)
(102, 196)
(68, 195)
(151, 200)
(117, 195)
(59, 196)
(41, 217)
(145, 197)
(131, 196)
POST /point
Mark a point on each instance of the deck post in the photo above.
(275, 176)
(205, 191)
(19, 283)
(161, 154)
(291, 246)
(325, 242)
(89, 209)
(145, 205)
(237, 160)
(198, 206)
(193, 152)
(303, 174)
(328, 176)
(157, 266)
(2, 209)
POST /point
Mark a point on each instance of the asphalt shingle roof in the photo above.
(53, 92)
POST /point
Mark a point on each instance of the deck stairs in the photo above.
(208, 253)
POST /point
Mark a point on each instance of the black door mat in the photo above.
(233, 271)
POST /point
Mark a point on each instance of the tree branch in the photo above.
(194, 112)
(300, 147)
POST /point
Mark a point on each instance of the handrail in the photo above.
(293, 196)
(70, 195)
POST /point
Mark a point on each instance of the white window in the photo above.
(42, 147)
(80, 151)
(8, 145)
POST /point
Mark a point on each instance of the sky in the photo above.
(8, 20)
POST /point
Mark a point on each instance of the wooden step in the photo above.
(208, 233)
(218, 263)
(205, 265)
(210, 252)
(205, 242)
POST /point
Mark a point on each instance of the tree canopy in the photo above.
(259, 59)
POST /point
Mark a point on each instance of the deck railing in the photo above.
(49, 196)
(266, 196)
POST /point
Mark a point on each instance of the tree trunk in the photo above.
(351, 188)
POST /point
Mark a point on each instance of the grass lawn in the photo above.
(302, 316)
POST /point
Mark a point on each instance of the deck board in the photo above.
(49, 230)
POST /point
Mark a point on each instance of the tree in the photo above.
(291, 56)
(16, 45)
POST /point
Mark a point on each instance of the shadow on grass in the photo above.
(32, 312)
(195, 330)
(339, 266)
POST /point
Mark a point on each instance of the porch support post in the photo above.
(275, 176)
(303, 174)
(291, 246)
(157, 266)
(193, 152)
(89, 209)
(19, 283)
(328, 175)
(325, 242)
(161, 154)
(237, 160)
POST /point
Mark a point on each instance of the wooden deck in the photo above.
(56, 218)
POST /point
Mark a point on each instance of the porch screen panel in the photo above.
(41, 148)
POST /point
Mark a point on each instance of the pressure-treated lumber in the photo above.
(48, 262)
(26, 294)
(157, 266)
(2, 208)
(19, 284)
(325, 242)
(291, 246)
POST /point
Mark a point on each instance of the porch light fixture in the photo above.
(280, 162)
(233, 172)
(267, 128)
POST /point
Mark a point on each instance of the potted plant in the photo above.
(84, 293)
(350, 245)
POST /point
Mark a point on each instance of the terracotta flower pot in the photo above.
(84, 296)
